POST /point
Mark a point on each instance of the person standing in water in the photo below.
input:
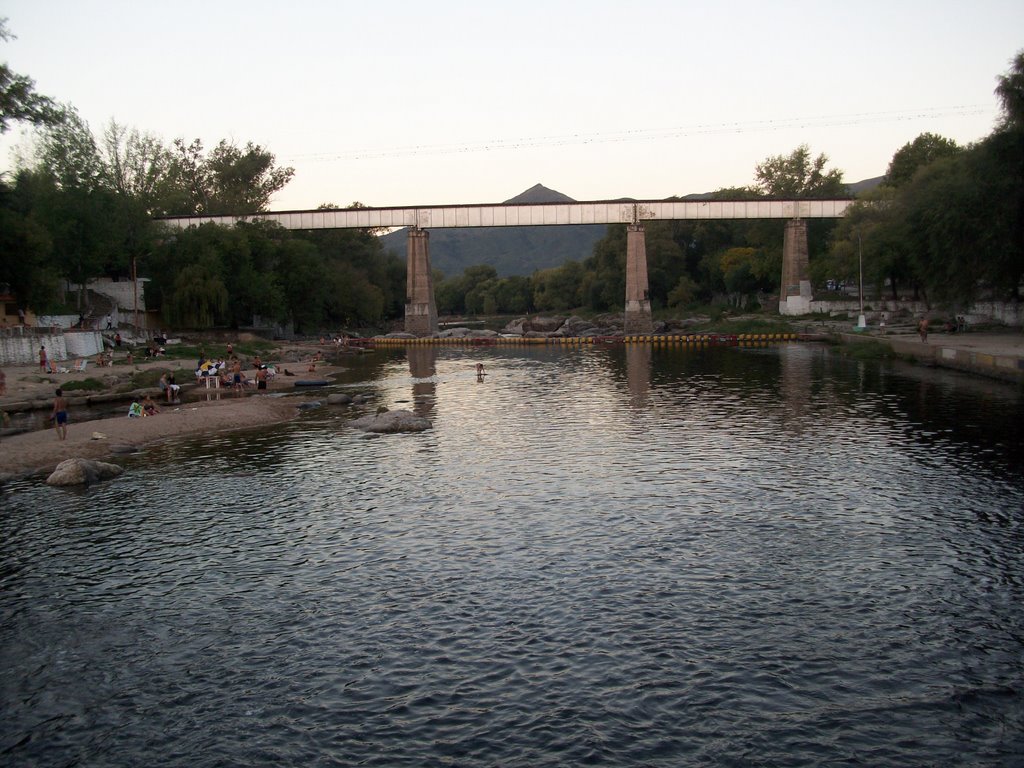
(60, 415)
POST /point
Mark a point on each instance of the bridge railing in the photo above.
(539, 214)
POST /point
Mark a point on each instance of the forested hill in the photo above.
(510, 250)
(521, 250)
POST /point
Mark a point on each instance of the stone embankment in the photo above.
(995, 355)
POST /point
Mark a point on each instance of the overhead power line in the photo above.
(648, 134)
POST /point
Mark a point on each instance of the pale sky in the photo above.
(440, 102)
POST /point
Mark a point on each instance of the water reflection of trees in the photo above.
(810, 386)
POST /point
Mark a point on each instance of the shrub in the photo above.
(89, 385)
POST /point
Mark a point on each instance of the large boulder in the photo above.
(543, 324)
(515, 326)
(82, 472)
(575, 326)
(455, 333)
(392, 421)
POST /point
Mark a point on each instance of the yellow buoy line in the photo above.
(698, 339)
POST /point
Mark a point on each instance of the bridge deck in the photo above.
(538, 214)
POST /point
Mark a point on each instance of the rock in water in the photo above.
(339, 399)
(392, 421)
(82, 472)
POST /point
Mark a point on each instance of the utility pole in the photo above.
(860, 281)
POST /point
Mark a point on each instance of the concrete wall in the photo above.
(1006, 366)
(20, 346)
(1004, 313)
(120, 292)
(1001, 311)
(56, 321)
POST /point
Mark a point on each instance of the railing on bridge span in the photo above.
(531, 215)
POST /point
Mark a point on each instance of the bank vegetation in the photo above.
(945, 225)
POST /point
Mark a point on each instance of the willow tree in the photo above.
(200, 298)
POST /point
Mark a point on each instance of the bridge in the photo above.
(420, 309)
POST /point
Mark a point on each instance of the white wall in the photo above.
(120, 292)
(21, 346)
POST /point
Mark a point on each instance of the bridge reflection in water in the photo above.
(423, 369)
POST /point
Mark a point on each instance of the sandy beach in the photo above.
(39, 452)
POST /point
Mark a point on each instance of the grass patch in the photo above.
(87, 385)
(215, 351)
(868, 350)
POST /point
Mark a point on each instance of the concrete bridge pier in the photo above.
(420, 309)
(638, 297)
(795, 292)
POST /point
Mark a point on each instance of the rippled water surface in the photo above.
(621, 556)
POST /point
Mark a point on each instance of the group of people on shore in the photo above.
(233, 375)
(170, 390)
(139, 410)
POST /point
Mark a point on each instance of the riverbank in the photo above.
(199, 411)
(994, 355)
(39, 452)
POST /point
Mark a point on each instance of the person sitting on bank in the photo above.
(149, 407)
(169, 388)
(135, 409)
(172, 388)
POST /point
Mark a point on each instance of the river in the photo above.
(624, 556)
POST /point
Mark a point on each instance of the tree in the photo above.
(96, 227)
(199, 296)
(796, 176)
(243, 181)
(1010, 92)
(30, 275)
(1007, 147)
(18, 98)
(136, 167)
(684, 292)
(925, 149)
(306, 292)
(67, 152)
(228, 181)
(605, 287)
(872, 233)
(559, 288)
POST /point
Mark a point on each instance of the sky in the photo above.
(434, 103)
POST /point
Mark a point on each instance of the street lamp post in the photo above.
(135, 295)
(861, 323)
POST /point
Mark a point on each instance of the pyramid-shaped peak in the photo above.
(538, 193)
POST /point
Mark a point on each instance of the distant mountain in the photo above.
(510, 250)
(524, 250)
(538, 193)
(863, 186)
